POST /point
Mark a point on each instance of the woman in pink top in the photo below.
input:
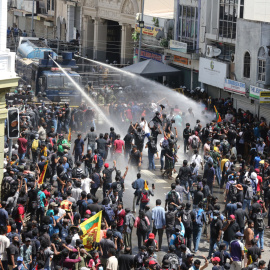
(119, 147)
(142, 224)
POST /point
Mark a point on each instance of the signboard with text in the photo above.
(148, 30)
(178, 46)
(235, 86)
(265, 97)
(149, 55)
(254, 91)
(181, 60)
(212, 72)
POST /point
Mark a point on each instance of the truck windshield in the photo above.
(61, 82)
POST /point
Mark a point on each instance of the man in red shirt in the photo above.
(20, 214)
(22, 142)
(119, 147)
(120, 215)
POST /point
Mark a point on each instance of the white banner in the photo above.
(235, 86)
(212, 72)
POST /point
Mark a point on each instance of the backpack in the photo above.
(174, 261)
(194, 143)
(140, 137)
(143, 227)
(179, 240)
(63, 233)
(131, 221)
(99, 161)
(199, 217)
(144, 196)
(187, 219)
(15, 212)
(41, 255)
(226, 147)
(109, 211)
(259, 223)
(172, 197)
(165, 144)
(254, 186)
(249, 193)
(35, 145)
(232, 190)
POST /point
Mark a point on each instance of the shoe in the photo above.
(262, 250)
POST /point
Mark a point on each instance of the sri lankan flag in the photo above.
(91, 231)
(69, 135)
(42, 176)
(218, 116)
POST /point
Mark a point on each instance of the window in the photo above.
(261, 64)
(242, 4)
(188, 19)
(48, 5)
(247, 65)
(227, 18)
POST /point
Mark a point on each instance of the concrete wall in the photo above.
(257, 10)
(250, 41)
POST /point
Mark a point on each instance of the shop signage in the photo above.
(149, 55)
(212, 72)
(254, 91)
(148, 30)
(235, 87)
(178, 46)
(265, 97)
(181, 60)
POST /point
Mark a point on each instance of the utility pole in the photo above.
(32, 20)
(141, 25)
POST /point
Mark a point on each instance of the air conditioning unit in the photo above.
(212, 51)
(232, 58)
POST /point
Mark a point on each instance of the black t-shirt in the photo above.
(240, 214)
(94, 207)
(118, 186)
(101, 144)
(135, 157)
(125, 261)
(215, 227)
(12, 250)
(254, 250)
(152, 146)
(184, 173)
(170, 219)
(254, 207)
(88, 163)
(229, 234)
(128, 141)
(108, 175)
(198, 197)
(154, 133)
(32, 195)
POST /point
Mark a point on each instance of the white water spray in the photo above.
(91, 102)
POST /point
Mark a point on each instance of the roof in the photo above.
(151, 68)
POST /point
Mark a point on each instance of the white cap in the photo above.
(253, 176)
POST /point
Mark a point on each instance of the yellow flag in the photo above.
(145, 185)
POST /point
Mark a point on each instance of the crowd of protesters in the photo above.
(39, 223)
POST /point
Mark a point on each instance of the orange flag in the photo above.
(69, 135)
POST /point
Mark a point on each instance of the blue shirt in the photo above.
(65, 166)
(158, 216)
(138, 184)
(231, 207)
(79, 145)
(257, 160)
(3, 217)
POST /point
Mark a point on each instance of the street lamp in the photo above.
(141, 25)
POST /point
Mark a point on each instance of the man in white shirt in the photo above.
(85, 183)
(112, 263)
(4, 244)
(145, 128)
(197, 159)
(76, 192)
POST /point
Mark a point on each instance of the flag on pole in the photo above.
(91, 231)
(69, 135)
(218, 116)
(42, 176)
(145, 185)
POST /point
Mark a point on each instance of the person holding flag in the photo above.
(218, 115)
(145, 195)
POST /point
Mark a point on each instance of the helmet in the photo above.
(28, 87)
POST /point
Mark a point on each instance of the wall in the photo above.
(257, 10)
(247, 41)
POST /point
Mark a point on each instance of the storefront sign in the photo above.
(265, 97)
(235, 87)
(212, 72)
(148, 30)
(178, 46)
(181, 60)
(254, 91)
(150, 55)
